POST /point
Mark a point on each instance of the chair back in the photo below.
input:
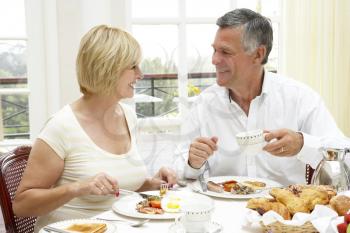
(12, 168)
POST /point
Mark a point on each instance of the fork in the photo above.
(137, 223)
(202, 179)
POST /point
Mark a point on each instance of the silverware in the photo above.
(131, 223)
(54, 229)
(201, 178)
(128, 192)
(182, 183)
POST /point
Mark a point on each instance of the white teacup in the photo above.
(197, 214)
(252, 141)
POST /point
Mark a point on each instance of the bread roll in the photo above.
(341, 204)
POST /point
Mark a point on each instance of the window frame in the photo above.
(14, 91)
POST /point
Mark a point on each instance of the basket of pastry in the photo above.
(294, 205)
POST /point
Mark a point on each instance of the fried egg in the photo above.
(171, 204)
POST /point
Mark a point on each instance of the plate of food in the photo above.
(151, 206)
(236, 187)
(81, 225)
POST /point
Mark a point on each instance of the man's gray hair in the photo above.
(257, 29)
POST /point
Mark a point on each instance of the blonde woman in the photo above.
(87, 150)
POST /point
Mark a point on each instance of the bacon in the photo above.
(150, 210)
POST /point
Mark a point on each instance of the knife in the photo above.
(128, 192)
(54, 229)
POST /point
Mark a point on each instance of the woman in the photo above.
(87, 150)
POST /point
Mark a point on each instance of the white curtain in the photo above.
(316, 51)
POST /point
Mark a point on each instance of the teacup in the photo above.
(252, 141)
(196, 215)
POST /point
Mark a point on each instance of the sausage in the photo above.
(212, 186)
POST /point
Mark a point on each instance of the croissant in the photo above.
(263, 205)
(297, 188)
(341, 204)
(314, 197)
(293, 203)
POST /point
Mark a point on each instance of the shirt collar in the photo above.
(266, 87)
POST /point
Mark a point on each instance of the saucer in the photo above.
(214, 227)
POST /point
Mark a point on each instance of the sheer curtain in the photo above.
(317, 51)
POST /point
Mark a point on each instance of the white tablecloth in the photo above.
(229, 213)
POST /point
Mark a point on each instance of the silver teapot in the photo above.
(332, 170)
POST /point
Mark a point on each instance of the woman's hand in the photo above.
(100, 184)
(164, 175)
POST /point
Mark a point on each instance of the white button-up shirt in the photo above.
(283, 103)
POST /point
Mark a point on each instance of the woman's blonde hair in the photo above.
(104, 54)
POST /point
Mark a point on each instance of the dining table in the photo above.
(229, 213)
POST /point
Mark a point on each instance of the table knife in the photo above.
(128, 192)
(54, 229)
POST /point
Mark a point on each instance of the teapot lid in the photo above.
(334, 153)
(335, 149)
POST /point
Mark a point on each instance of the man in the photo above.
(246, 97)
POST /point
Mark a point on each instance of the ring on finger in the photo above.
(282, 149)
(102, 188)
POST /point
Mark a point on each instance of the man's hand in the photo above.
(287, 143)
(200, 150)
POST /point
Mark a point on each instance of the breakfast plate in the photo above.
(126, 206)
(218, 179)
(63, 225)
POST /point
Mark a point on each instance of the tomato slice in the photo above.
(155, 204)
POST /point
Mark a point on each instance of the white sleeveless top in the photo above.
(83, 159)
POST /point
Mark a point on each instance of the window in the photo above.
(14, 119)
(176, 39)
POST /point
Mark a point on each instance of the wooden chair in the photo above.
(12, 168)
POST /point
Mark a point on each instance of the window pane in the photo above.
(154, 8)
(272, 63)
(160, 55)
(267, 8)
(206, 8)
(199, 53)
(12, 18)
(12, 62)
(270, 8)
(14, 113)
(199, 50)
(250, 4)
(14, 119)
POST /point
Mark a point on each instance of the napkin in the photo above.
(320, 218)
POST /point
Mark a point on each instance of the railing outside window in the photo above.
(164, 87)
(14, 115)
